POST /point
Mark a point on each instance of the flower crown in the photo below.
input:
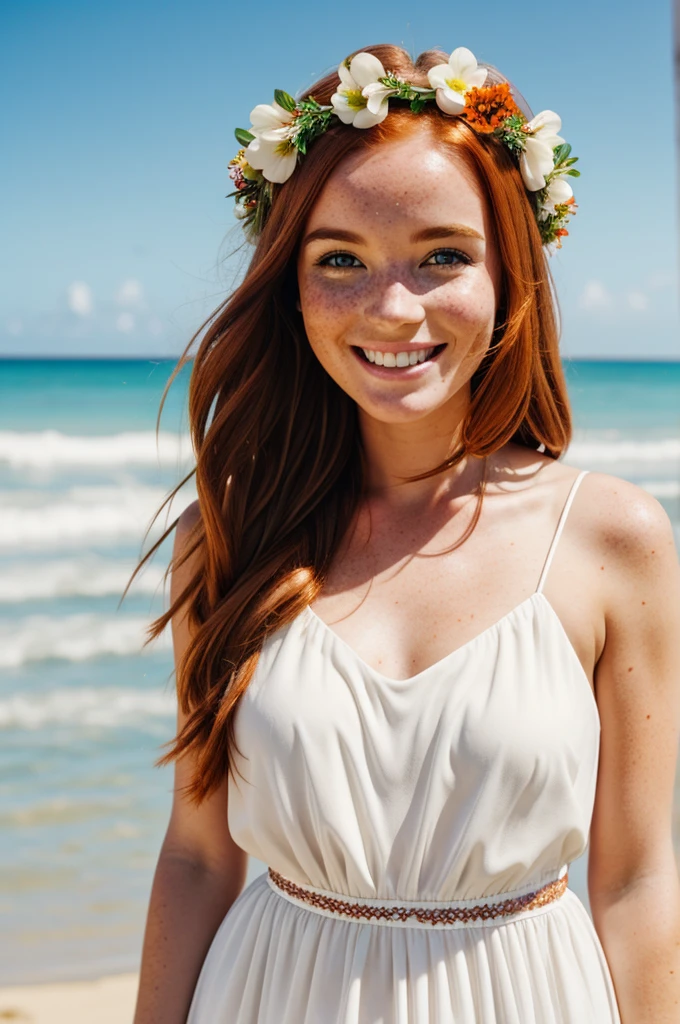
(282, 131)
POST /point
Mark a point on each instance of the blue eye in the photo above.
(336, 256)
(459, 257)
(452, 257)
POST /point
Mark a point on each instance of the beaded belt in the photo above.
(449, 914)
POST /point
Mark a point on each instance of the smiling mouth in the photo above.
(399, 360)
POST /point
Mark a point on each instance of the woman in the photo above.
(420, 660)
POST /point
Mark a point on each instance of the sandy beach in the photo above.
(106, 1001)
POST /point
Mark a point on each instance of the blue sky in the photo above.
(118, 127)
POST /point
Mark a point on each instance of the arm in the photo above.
(632, 873)
(199, 874)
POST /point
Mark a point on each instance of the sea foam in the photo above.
(614, 450)
(105, 706)
(76, 638)
(40, 580)
(85, 514)
(42, 449)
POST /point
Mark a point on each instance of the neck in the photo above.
(395, 451)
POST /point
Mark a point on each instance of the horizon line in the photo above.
(13, 357)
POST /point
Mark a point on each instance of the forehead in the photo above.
(412, 179)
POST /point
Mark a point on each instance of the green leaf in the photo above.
(573, 173)
(284, 99)
(243, 136)
(309, 104)
(572, 160)
(561, 152)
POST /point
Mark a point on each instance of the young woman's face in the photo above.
(399, 279)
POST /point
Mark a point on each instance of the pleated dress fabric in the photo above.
(473, 779)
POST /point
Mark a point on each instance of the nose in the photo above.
(393, 303)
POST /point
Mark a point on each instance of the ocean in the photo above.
(83, 710)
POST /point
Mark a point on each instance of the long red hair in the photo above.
(279, 471)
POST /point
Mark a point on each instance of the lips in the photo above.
(402, 359)
(394, 373)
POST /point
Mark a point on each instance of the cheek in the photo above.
(465, 307)
(325, 300)
(326, 313)
(469, 303)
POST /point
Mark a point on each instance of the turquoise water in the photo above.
(83, 711)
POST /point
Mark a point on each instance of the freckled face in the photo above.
(407, 265)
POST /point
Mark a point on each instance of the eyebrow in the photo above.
(426, 235)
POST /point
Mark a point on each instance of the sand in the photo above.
(104, 1001)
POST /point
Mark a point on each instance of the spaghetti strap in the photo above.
(558, 531)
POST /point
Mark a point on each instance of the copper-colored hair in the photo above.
(279, 469)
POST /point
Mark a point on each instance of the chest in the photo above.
(405, 594)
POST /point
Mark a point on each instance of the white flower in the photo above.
(272, 150)
(559, 191)
(537, 160)
(268, 117)
(454, 79)
(361, 100)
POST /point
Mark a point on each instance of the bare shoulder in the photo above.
(189, 517)
(627, 524)
(625, 541)
(611, 515)
(184, 564)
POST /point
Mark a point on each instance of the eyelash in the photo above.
(322, 262)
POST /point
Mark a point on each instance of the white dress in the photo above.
(473, 779)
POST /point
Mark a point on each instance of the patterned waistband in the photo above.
(420, 914)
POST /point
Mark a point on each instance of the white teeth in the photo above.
(399, 359)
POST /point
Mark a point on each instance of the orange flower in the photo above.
(488, 107)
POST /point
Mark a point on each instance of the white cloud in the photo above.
(130, 293)
(595, 296)
(125, 322)
(662, 279)
(80, 298)
(14, 326)
(638, 301)
(650, 296)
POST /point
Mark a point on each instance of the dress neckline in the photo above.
(536, 597)
(528, 602)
